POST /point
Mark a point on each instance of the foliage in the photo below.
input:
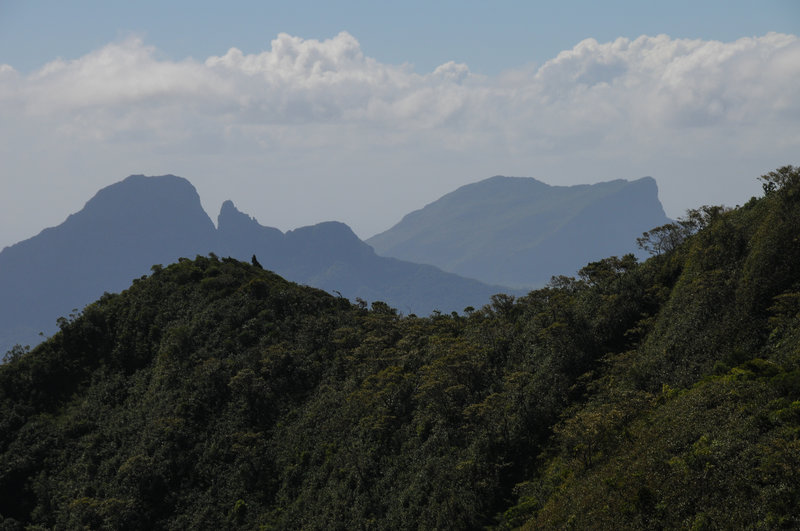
(660, 394)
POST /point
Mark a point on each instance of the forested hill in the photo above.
(663, 394)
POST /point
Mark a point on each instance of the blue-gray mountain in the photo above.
(331, 257)
(131, 225)
(520, 232)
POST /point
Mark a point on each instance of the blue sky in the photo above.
(306, 111)
(488, 36)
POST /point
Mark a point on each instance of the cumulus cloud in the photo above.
(662, 82)
(650, 81)
(631, 102)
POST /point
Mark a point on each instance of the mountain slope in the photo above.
(696, 427)
(122, 231)
(214, 394)
(129, 226)
(330, 256)
(519, 231)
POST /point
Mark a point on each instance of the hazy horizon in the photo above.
(362, 113)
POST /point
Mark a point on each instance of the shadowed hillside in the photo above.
(215, 394)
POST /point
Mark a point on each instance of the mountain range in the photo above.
(455, 253)
(213, 394)
(131, 225)
(330, 256)
(520, 232)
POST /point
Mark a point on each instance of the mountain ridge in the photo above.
(510, 217)
(129, 226)
(213, 394)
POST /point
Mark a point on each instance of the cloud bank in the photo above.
(376, 140)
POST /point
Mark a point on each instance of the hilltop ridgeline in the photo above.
(519, 230)
(131, 225)
(215, 394)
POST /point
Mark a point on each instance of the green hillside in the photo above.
(663, 394)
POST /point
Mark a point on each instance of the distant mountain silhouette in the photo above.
(519, 232)
(122, 231)
(331, 257)
(141, 221)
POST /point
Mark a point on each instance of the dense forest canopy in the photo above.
(661, 394)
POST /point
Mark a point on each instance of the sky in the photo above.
(362, 111)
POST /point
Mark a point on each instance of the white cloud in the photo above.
(653, 81)
(313, 109)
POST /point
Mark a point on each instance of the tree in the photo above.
(668, 237)
(662, 239)
(16, 352)
(779, 179)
